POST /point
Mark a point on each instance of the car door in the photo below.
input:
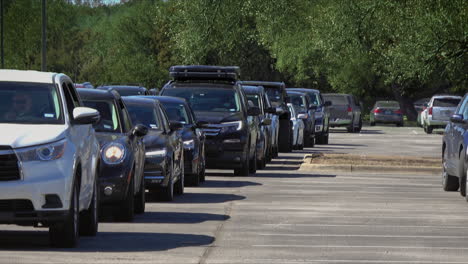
(79, 135)
(459, 131)
(174, 141)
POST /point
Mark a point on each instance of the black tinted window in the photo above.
(208, 99)
(177, 112)
(337, 99)
(144, 114)
(109, 116)
(446, 102)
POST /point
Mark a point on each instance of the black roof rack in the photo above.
(204, 72)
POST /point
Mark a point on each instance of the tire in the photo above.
(253, 163)
(201, 172)
(244, 170)
(167, 193)
(126, 211)
(89, 219)
(399, 124)
(466, 185)
(140, 199)
(449, 183)
(462, 172)
(429, 129)
(350, 129)
(372, 123)
(358, 130)
(284, 137)
(180, 184)
(66, 234)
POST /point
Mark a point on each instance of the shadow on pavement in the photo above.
(227, 184)
(178, 218)
(104, 241)
(302, 175)
(207, 198)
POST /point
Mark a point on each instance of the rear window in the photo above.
(337, 99)
(387, 104)
(446, 102)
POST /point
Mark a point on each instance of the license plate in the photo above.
(388, 112)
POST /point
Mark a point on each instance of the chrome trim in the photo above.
(154, 177)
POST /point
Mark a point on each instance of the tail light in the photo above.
(430, 110)
(398, 112)
(378, 111)
(349, 109)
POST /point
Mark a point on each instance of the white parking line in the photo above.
(414, 132)
(357, 225)
(352, 235)
(347, 246)
(288, 261)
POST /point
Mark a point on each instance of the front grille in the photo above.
(16, 206)
(211, 132)
(9, 170)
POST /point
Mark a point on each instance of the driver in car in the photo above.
(21, 108)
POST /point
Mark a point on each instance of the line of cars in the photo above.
(70, 155)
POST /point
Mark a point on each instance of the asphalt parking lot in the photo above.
(285, 216)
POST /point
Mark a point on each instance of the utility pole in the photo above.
(2, 54)
(44, 37)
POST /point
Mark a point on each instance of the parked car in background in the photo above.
(87, 85)
(257, 95)
(388, 112)
(321, 114)
(126, 90)
(48, 156)
(278, 97)
(164, 165)
(345, 111)
(455, 150)
(420, 106)
(121, 183)
(297, 130)
(438, 111)
(217, 98)
(192, 135)
(303, 105)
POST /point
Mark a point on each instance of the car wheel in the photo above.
(360, 126)
(449, 183)
(66, 234)
(399, 124)
(372, 123)
(167, 193)
(462, 173)
(180, 184)
(89, 219)
(244, 170)
(140, 200)
(201, 172)
(466, 185)
(285, 134)
(126, 212)
(429, 129)
(253, 163)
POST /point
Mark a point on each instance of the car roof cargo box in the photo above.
(204, 72)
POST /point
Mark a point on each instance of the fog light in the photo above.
(108, 190)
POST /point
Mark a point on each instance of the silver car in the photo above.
(386, 112)
(438, 111)
(297, 128)
(345, 111)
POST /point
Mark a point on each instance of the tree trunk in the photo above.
(406, 104)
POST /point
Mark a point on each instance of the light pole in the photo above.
(44, 37)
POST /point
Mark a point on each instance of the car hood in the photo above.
(24, 135)
(105, 138)
(216, 118)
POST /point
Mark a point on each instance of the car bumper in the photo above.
(154, 172)
(340, 122)
(31, 218)
(115, 178)
(388, 118)
(222, 155)
(436, 123)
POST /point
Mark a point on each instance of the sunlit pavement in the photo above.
(283, 216)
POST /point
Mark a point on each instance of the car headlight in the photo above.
(46, 152)
(113, 153)
(231, 126)
(156, 153)
(189, 144)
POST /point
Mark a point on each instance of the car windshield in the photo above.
(275, 96)
(29, 103)
(208, 99)
(336, 99)
(143, 114)
(254, 98)
(391, 104)
(109, 119)
(446, 102)
(177, 112)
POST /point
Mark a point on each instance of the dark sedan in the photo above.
(126, 90)
(455, 150)
(303, 103)
(164, 166)
(122, 154)
(178, 110)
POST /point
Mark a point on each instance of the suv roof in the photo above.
(98, 94)
(303, 90)
(27, 76)
(334, 94)
(204, 72)
(279, 85)
(445, 96)
(250, 89)
(167, 99)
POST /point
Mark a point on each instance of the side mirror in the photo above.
(328, 103)
(456, 118)
(271, 110)
(303, 116)
(312, 107)
(86, 115)
(201, 124)
(174, 126)
(254, 111)
(140, 130)
(266, 122)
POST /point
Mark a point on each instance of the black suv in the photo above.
(126, 90)
(276, 92)
(217, 98)
(121, 180)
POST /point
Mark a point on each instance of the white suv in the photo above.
(438, 111)
(48, 156)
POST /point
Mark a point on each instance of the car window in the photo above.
(387, 104)
(144, 114)
(337, 99)
(254, 98)
(30, 103)
(177, 112)
(275, 96)
(109, 121)
(463, 110)
(164, 119)
(446, 102)
(208, 99)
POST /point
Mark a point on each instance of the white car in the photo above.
(48, 156)
(297, 128)
(438, 111)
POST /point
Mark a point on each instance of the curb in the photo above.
(366, 168)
